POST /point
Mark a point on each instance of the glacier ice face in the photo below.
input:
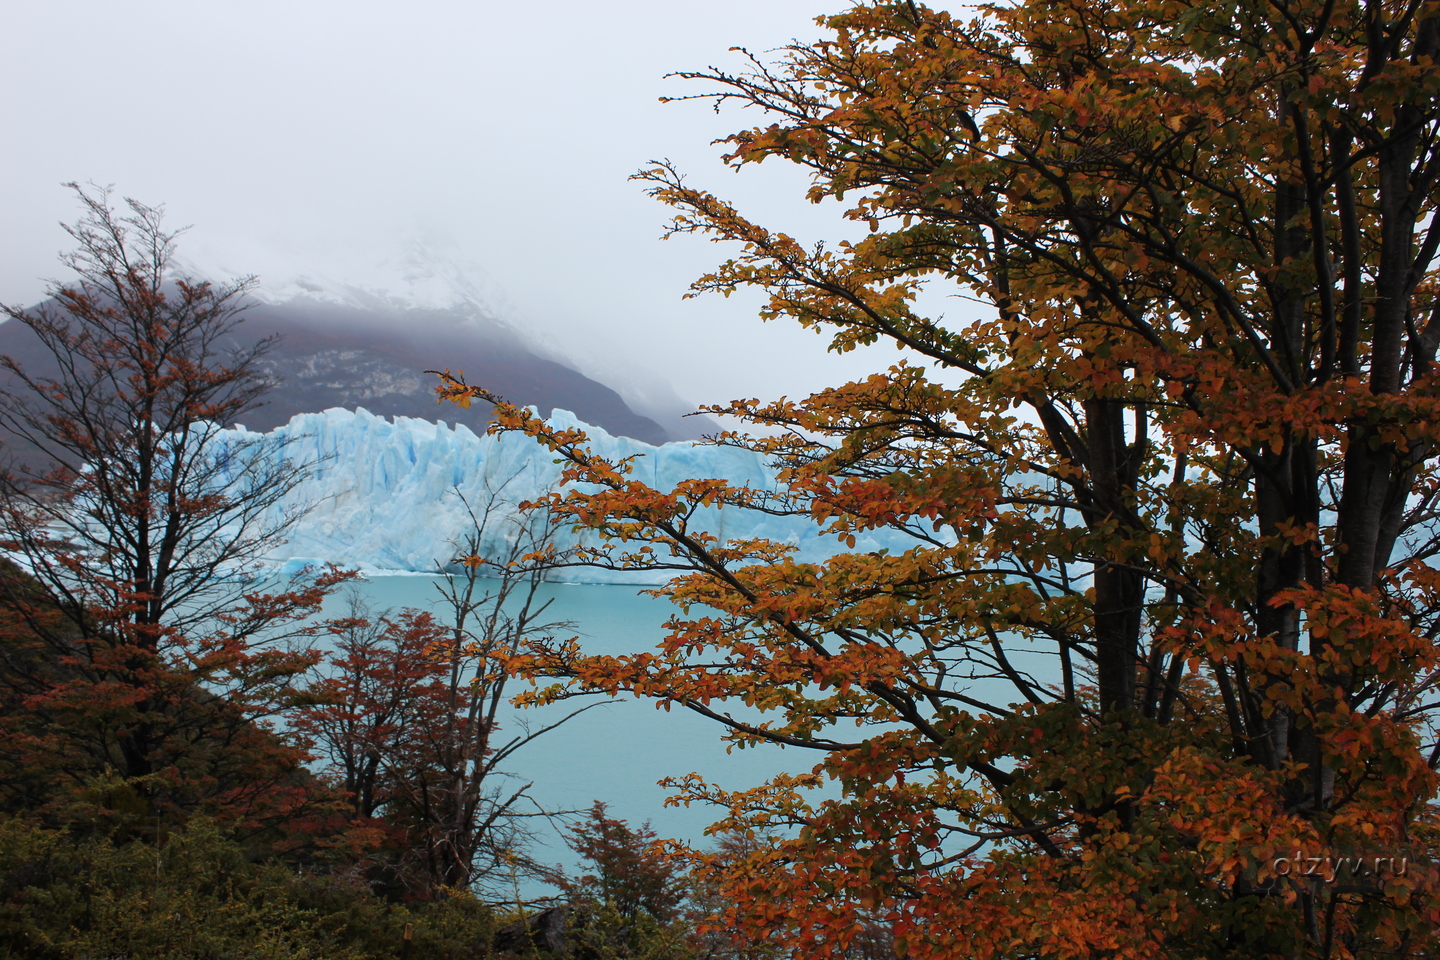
(382, 494)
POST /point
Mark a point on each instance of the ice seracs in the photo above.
(390, 495)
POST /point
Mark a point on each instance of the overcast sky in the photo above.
(323, 138)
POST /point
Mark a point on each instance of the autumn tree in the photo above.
(1160, 638)
(408, 709)
(473, 812)
(135, 619)
(379, 673)
(629, 898)
(624, 866)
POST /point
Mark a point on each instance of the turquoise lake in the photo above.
(614, 752)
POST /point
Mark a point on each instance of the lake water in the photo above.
(614, 752)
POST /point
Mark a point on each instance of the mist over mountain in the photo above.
(340, 355)
(364, 350)
(427, 300)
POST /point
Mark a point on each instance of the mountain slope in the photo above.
(349, 356)
(334, 355)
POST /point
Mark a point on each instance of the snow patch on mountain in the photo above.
(417, 276)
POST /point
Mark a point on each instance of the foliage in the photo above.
(630, 900)
(59, 730)
(138, 638)
(360, 716)
(602, 932)
(198, 894)
(629, 872)
(1166, 621)
(406, 712)
(711, 873)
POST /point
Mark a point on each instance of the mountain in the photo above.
(342, 355)
(374, 355)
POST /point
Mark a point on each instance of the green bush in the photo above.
(199, 897)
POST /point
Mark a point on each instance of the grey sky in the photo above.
(319, 137)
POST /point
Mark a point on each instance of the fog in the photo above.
(327, 141)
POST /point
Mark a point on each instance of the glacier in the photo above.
(385, 495)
